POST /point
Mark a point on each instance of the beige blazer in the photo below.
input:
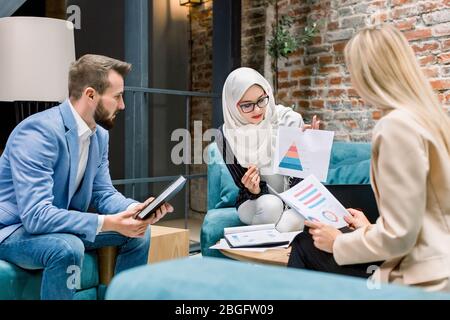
(410, 176)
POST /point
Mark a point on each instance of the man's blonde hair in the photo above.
(386, 74)
(92, 71)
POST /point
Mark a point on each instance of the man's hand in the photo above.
(356, 219)
(323, 235)
(125, 223)
(160, 212)
(315, 124)
(251, 180)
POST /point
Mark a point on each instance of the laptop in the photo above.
(356, 196)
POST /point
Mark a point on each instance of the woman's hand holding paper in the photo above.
(323, 235)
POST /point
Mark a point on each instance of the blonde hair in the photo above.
(385, 73)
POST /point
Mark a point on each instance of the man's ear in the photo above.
(90, 93)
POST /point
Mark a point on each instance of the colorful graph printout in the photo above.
(310, 197)
(331, 216)
(302, 153)
(314, 202)
(291, 159)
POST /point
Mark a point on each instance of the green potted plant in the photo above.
(284, 42)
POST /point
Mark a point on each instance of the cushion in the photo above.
(349, 163)
(355, 173)
(214, 175)
(345, 153)
(218, 175)
(228, 189)
(213, 279)
(212, 228)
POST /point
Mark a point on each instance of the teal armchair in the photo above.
(349, 164)
(96, 273)
(19, 284)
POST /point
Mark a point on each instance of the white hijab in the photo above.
(253, 143)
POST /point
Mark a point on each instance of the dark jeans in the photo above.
(305, 255)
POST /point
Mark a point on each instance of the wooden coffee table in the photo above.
(277, 257)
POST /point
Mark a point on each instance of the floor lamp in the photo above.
(35, 55)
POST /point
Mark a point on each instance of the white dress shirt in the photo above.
(84, 141)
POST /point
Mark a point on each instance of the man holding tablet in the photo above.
(54, 167)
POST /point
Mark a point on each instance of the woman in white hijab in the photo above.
(251, 119)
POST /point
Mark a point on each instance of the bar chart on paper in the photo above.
(310, 196)
(314, 202)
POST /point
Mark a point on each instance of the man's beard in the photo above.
(102, 117)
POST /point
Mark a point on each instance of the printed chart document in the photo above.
(223, 244)
(263, 235)
(314, 202)
(301, 153)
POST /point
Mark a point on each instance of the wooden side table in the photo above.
(166, 243)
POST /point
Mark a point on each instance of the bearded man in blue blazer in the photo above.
(54, 167)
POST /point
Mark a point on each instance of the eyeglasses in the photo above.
(250, 106)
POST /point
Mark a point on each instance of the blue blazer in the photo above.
(37, 178)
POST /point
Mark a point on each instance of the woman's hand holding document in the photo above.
(314, 202)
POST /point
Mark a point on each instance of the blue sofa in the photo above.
(349, 164)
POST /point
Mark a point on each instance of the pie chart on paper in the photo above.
(330, 216)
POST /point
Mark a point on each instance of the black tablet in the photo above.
(165, 196)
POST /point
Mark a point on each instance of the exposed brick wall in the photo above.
(315, 79)
(253, 33)
(201, 80)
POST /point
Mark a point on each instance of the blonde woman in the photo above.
(251, 119)
(410, 175)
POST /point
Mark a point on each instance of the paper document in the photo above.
(314, 202)
(301, 153)
(257, 236)
(223, 244)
